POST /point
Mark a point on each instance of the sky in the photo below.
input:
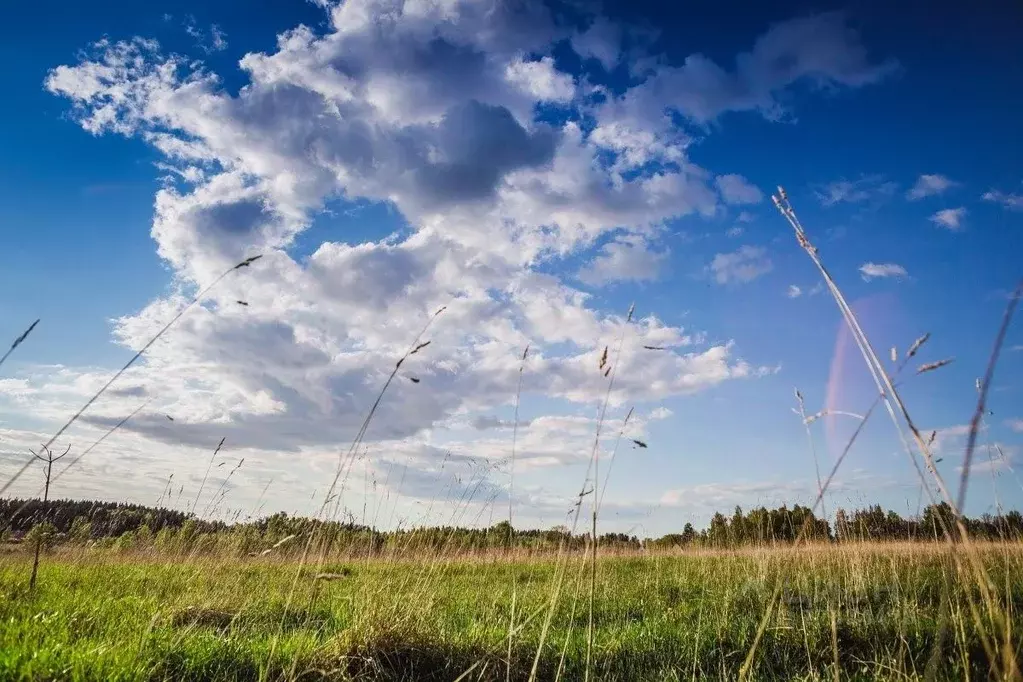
(536, 169)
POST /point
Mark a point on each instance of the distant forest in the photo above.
(131, 526)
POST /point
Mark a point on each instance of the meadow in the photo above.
(131, 593)
(892, 611)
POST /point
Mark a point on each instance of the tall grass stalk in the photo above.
(562, 557)
(17, 342)
(48, 460)
(985, 386)
(413, 348)
(156, 337)
(813, 448)
(511, 497)
(892, 400)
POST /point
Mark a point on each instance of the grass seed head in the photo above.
(917, 344)
(931, 366)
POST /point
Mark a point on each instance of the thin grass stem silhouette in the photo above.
(985, 386)
(163, 330)
(18, 341)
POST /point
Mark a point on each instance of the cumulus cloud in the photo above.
(431, 110)
(867, 188)
(741, 266)
(929, 186)
(821, 50)
(625, 258)
(950, 218)
(601, 41)
(794, 291)
(541, 80)
(871, 271)
(736, 189)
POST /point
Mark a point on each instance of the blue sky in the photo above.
(538, 168)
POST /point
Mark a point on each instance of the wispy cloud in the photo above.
(626, 258)
(929, 186)
(794, 291)
(1015, 424)
(950, 218)
(1010, 201)
(871, 271)
(719, 496)
(214, 41)
(998, 457)
(822, 50)
(867, 188)
(743, 265)
(736, 189)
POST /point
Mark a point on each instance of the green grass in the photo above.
(102, 616)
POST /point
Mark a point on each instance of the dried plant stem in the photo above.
(985, 386)
(614, 455)
(17, 342)
(813, 449)
(87, 450)
(209, 466)
(560, 575)
(874, 366)
(414, 347)
(511, 494)
(156, 337)
(48, 459)
(892, 400)
(595, 464)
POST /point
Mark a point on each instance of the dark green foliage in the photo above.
(129, 526)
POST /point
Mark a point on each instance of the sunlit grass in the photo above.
(100, 616)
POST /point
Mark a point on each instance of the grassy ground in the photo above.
(866, 612)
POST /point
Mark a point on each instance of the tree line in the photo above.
(131, 526)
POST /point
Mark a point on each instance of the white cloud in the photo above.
(430, 109)
(950, 218)
(734, 231)
(600, 41)
(993, 460)
(736, 189)
(216, 41)
(944, 440)
(867, 188)
(659, 413)
(625, 258)
(874, 270)
(821, 50)
(724, 496)
(929, 186)
(541, 80)
(743, 265)
(1011, 201)
(744, 217)
(1015, 424)
(794, 291)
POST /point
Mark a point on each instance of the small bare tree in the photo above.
(48, 458)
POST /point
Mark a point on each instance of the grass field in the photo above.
(848, 612)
